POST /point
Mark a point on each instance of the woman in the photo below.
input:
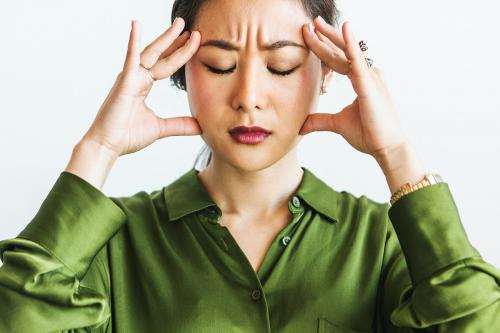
(253, 242)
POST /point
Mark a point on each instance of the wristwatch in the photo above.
(429, 179)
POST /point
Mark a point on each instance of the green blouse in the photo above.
(161, 262)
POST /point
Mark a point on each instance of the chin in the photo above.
(248, 157)
(254, 166)
(251, 159)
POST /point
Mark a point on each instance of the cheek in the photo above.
(193, 88)
(292, 98)
(199, 90)
(299, 96)
(309, 79)
(204, 100)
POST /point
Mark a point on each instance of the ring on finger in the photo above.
(362, 45)
(364, 48)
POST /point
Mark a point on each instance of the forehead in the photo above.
(239, 21)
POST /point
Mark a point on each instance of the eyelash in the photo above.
(221, 72)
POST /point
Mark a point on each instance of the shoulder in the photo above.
(364, 206)
(363, 216)
(140, 205)
(340, 205)
(353, 208)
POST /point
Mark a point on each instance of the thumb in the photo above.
(133, 58)
(178, 126)
(316, 122)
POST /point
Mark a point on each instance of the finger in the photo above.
(132, 60)
(330, 32)
(180, 126)
(337, 52)
(325, 39)
(179, 41)
(333, 57)
(378, 73)
(169, 65)
(152, 52)
(359, 66)
(316, 122)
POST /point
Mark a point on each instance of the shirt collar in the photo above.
(187, 194)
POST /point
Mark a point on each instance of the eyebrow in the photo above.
(225, 45)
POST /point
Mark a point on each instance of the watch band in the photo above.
(429, 179)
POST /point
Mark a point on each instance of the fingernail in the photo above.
(322, 20)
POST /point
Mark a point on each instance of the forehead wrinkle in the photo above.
(227, 45)
(253, 30)
(242, 29)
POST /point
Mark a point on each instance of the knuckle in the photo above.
(147, 49)
(143, 59)
(151, 75)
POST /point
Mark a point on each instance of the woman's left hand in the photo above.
(370, 123)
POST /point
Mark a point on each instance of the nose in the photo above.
(250, 87)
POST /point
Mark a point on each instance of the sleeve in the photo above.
(53, 277)
(433, 279)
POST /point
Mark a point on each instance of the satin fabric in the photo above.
(161, 262)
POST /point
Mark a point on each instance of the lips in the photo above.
(253, 129)
(249, 135)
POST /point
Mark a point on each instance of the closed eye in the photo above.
(230, 70)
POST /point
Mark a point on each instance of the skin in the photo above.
(254, 183)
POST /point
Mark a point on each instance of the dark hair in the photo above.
(188, 10)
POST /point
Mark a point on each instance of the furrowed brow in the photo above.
(225, 45)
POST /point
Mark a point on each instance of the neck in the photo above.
(252, 195)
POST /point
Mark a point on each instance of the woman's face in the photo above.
(252, 93)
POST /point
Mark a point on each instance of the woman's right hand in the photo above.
(124, 123)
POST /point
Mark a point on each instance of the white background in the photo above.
(58, 60)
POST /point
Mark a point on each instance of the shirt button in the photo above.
(285, 240)
(296, 201)
(256, 294)
(212, 210)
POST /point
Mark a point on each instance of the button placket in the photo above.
(295, 206)
(285, 240)
(211, 214)
(256, 294)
